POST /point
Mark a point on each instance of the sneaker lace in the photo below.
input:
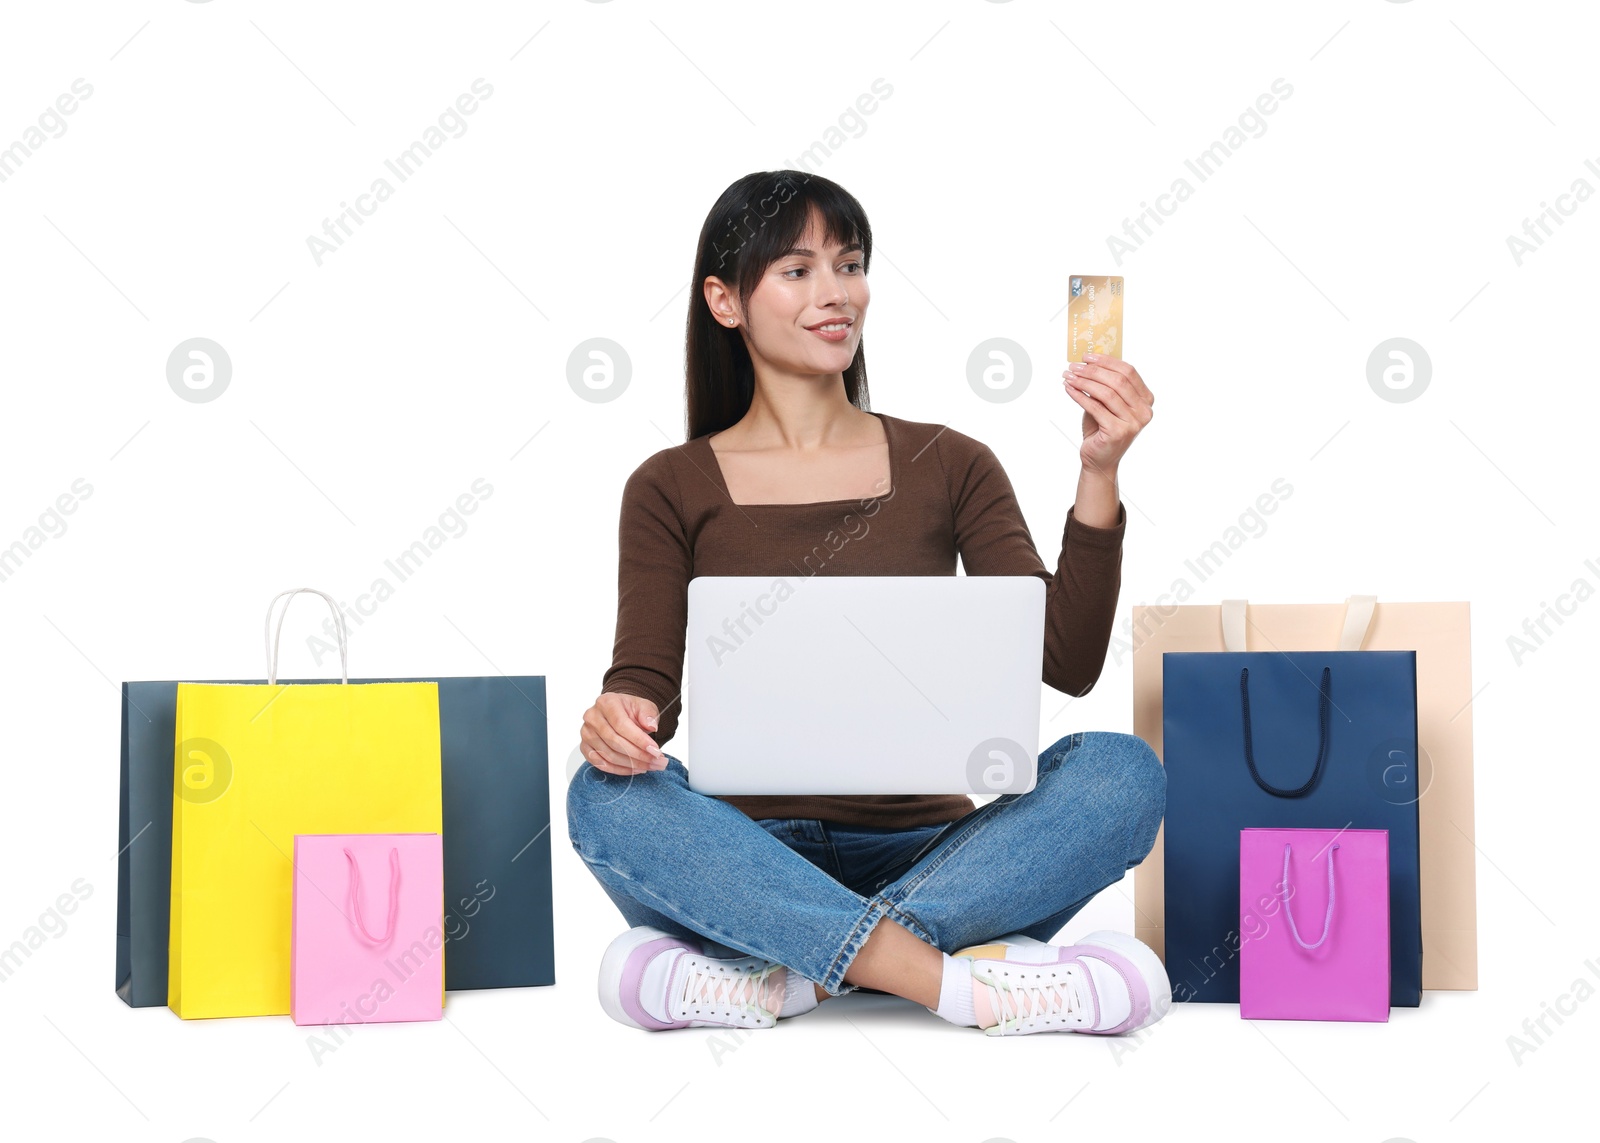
(1061, 996)
(716, 988)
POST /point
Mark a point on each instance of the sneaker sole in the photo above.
(1149, 965)
(612, 963)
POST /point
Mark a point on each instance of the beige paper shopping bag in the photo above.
(1441, 781)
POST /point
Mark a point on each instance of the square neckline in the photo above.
(894, 474)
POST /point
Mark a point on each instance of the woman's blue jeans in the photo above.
(806, 893)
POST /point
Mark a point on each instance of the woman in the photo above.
(745, 910)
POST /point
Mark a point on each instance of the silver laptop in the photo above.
(864, 684)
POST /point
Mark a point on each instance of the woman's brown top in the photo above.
(948, 498)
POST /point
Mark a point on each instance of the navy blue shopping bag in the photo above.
(1282, 739)
(494, 756)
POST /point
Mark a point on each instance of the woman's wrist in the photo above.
(1097, 500)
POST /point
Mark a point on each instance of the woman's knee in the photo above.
(1135, 782)
(600, 803)
(577, 807)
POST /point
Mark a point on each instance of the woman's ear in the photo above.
(720, 299)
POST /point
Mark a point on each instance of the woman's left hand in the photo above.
(1116, 405)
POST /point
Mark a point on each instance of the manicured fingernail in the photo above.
(1087, 356)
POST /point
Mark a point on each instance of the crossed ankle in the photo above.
(799, 995)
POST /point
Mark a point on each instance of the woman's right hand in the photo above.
(616, 735)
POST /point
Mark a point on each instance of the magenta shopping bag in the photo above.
(368, 929)
(1314, 917)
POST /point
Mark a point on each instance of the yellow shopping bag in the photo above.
(253, 766)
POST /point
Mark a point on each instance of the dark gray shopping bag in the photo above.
(494, 752)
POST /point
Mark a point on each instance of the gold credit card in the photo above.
(1094, 316)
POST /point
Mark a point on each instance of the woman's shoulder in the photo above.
(663, 464)
(956, 451)
(656, 478)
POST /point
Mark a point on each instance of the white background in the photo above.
(370, 391)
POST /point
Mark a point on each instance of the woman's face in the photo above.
(810, 287)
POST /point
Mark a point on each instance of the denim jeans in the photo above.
(806, 893)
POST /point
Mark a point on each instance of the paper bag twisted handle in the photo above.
(1288, 913)
(394, 895)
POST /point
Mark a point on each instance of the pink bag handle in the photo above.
(1288, 914)
(355, 895)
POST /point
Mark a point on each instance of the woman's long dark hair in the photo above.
(755, 222)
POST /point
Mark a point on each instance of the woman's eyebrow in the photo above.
(804, 253)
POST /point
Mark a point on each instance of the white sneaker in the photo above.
(1108, 983)
(653, 980)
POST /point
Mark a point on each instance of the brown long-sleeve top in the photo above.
(948, 497)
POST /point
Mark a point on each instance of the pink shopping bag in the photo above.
(367, 943)
(1314, 918)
